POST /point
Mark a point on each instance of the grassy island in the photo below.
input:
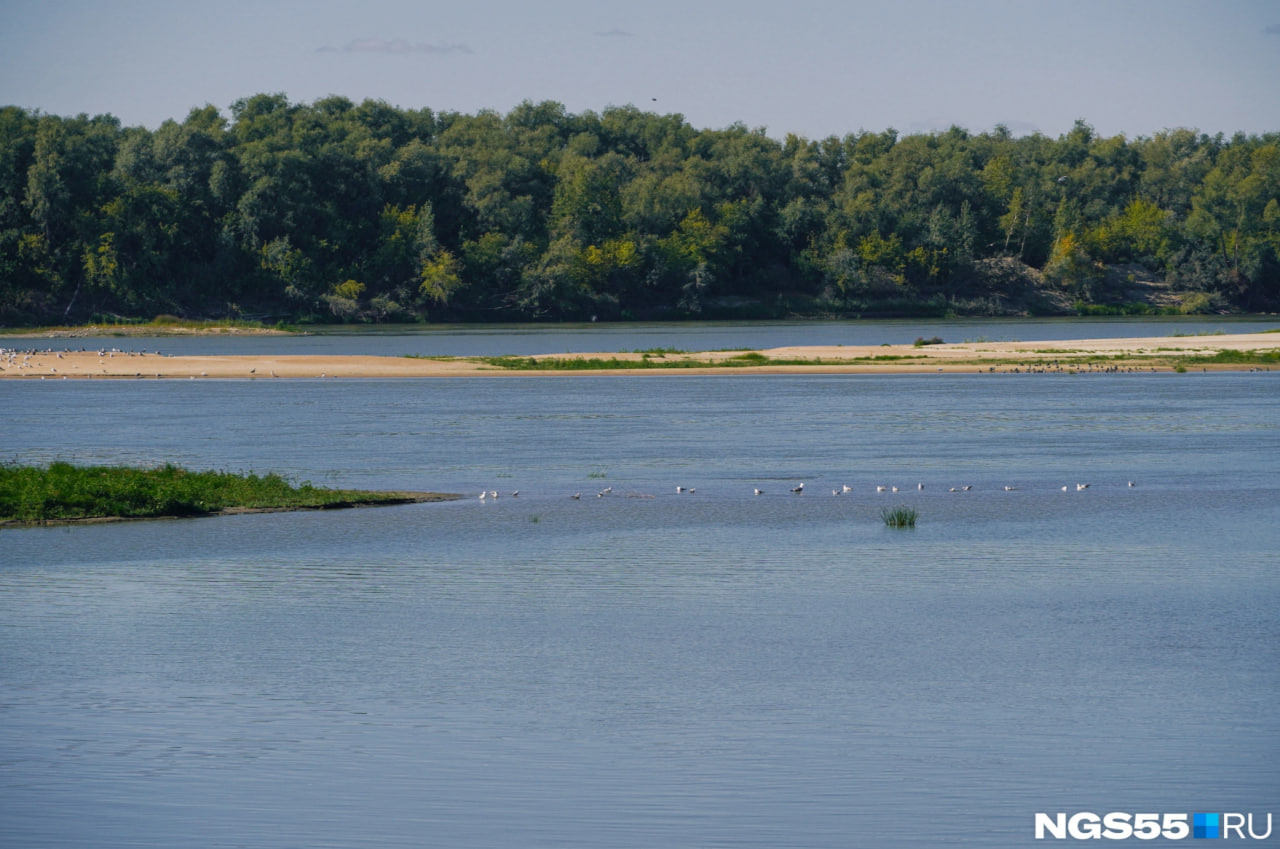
(63, 492)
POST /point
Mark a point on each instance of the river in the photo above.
(638, 666)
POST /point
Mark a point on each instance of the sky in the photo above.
(815, 68)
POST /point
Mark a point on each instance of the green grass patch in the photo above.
(161, 325)
(745, 360)
(615, 364)
(1246, 358)
(572, 363)
(901, 516)
(173, 321)
(1133, 308)
(63, 492)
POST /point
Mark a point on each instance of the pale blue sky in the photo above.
(812, 67)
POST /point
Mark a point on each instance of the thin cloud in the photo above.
(1274, 29)
(615, 33)
(394, 46)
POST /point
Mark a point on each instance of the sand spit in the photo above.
(1162, 353)
(396, 499)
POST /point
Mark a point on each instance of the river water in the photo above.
(647, 667)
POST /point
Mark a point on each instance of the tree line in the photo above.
(337, 211)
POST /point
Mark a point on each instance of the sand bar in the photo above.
(1163, 353)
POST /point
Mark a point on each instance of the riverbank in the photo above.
(150, 328)
(391, 499)
(1219, 352)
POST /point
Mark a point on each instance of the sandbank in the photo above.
(1163, 353)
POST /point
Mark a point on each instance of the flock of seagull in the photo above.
(9, 358)
(492, 494)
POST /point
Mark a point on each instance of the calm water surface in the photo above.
(649, 668)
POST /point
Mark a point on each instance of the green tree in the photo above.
(1071, 267)
(441, 277)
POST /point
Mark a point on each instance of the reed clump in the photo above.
(901, 516)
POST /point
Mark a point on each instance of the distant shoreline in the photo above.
(1219, 352)
(108, 331)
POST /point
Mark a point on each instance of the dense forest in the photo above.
(336, 211)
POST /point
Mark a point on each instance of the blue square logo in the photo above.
(1205, 825)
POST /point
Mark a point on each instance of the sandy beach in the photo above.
(1149, 354)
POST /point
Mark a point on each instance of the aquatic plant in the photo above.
(901, 516)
